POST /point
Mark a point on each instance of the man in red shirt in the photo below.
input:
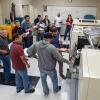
(19, 63)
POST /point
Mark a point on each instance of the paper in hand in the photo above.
(25, 52)
(26, 33)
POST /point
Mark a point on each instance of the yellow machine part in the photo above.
(8, 28)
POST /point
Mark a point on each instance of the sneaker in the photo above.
(7, 82)
(31, 91)
(59, 88)
(20, 90)
(46, 94)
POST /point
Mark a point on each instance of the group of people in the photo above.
(43, 25)
(58, 23)
(25, 28)
(47, 50)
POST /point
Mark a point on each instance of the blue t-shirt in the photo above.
(55, 41)
(17, 30)
(26, 25)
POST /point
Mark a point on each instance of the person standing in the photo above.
(55, 41)
(69, 22)
(58, 22)
(28, 40)
(47, 23)
(37, 20)
(19, 64)
(17, 28)
(47, 57)
(41, 29)
(4, 56)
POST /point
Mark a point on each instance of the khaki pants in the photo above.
(60, 66)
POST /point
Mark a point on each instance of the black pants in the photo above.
(27, 41)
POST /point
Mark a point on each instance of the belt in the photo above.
(4, 54)
(48, 69)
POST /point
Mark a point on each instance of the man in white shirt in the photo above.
(58, 22)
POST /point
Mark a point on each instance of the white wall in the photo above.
(6, 6)
(38, 4)
(26, 2)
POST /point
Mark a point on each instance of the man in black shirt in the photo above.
(47, 23)
(4, 56)
(37, 19)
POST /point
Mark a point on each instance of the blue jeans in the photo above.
(53, 76)
(6, 67)
(59, 29)
(41, 36)
(22, 80)
(67, 30)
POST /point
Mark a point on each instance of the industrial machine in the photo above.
(78, 30)
(89, 75)
(85, 45)
(85, 34)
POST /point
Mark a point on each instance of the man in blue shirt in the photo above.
(17, 29)
(27, 25)
(55, 41)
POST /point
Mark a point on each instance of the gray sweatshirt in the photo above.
(47, 55)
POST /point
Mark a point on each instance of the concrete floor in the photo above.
(9, 92)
